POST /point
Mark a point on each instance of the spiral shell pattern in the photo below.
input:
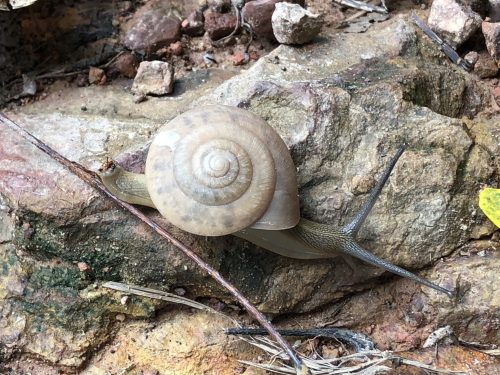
(210, 171)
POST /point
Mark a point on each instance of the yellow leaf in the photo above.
(489, 201)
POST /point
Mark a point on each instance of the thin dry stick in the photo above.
(93, 180)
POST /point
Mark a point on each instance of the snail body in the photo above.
(221, 170)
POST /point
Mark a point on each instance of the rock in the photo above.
(151, 28)
(494, 10)
(96, 76)
(176, 48)
(457, 29)
(125, 65)
(193, 25)
(154, 78)
(240, 58)
(485, 66)
(258, 15)
(15, 4)
(472, 57)
(491, 32)
(219, 6)
(178, 342)
(292, 24)
(219, 25)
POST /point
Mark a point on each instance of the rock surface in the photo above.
(292, 24)
(458, 28)
(343, 106)
(154, 78)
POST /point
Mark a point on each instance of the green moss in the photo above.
(58, 278)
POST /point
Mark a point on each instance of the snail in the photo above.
(219, 170)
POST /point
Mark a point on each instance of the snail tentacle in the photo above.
(354, 226)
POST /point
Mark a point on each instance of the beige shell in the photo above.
(215, 170)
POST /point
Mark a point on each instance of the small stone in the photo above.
(124, 300)
(83, 267)
(491, 32)
(28, 231)
(219, 25)
(125, 65)
(151, 29)
(456, 29)
(219, 6)
(139, 98)
(120, 317)
(180, 291)
(240, 58)
(472, 57)
(193, 24)
(96, 76)
(175, 48)
(485, 66)
(154, 78)
(293, 24)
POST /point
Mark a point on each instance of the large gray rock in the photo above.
(342, 114)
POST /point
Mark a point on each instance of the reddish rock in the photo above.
(193, 24)
(83, 267)
(258, 14)
(125, 65)
(175, 48)
(150, 29)
(240, 58)
(97, 76)
(219, 25)
(491, 32)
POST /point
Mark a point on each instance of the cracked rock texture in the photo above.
(343, 106)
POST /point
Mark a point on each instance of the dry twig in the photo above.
(365, 362)
(93, 180)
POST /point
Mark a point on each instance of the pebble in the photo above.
(456, 29)
(293, 24)
(240, 58)
(485, 66)
(175, 48)
(193, 24)
(154, 78)
(83, 267)
(97, 76)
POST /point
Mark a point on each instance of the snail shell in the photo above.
(216, 170)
